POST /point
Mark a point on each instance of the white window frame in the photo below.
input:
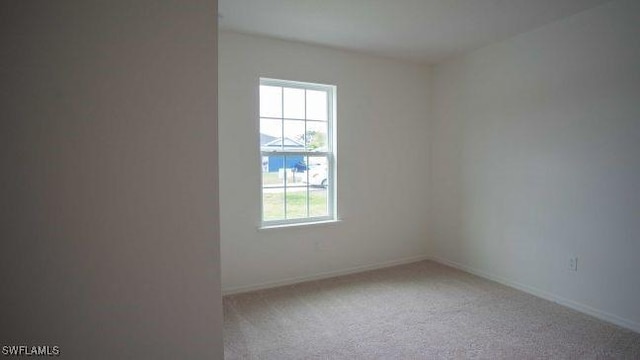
(331, 155)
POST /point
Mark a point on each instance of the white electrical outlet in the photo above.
(573, 263)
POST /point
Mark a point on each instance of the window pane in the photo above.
(318, 179)
(270, 134)
(286, 170)
(317, 105)
(296, 202)
(273, 204)
(296, 126)
(318, 201)
(317, 136)
(294, 103)
(270, 101)
(318, 174)
(294, 135)
(298, 170)
(272, 171)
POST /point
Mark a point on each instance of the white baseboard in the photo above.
(324, 275)
(602, 315)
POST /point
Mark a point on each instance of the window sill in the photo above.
(299, 225)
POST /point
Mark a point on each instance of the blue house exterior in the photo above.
(274, 162)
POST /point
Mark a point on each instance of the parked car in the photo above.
(318, 175)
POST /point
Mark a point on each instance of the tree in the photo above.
(315, 140)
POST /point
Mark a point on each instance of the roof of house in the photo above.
(265, 139)
(287, 142)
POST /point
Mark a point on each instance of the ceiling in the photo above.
(425, 31)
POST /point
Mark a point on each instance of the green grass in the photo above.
(273, 204)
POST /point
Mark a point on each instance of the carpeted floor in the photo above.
(418, 311)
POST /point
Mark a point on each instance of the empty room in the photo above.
(430, 179)
(335, 179)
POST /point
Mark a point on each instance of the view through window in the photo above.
(297, 135)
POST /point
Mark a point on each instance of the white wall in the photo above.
(109, 218)
(382, 163)
(536, 157)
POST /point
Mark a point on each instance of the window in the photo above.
(297, 148)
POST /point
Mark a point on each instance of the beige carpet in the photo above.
(417, 311)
